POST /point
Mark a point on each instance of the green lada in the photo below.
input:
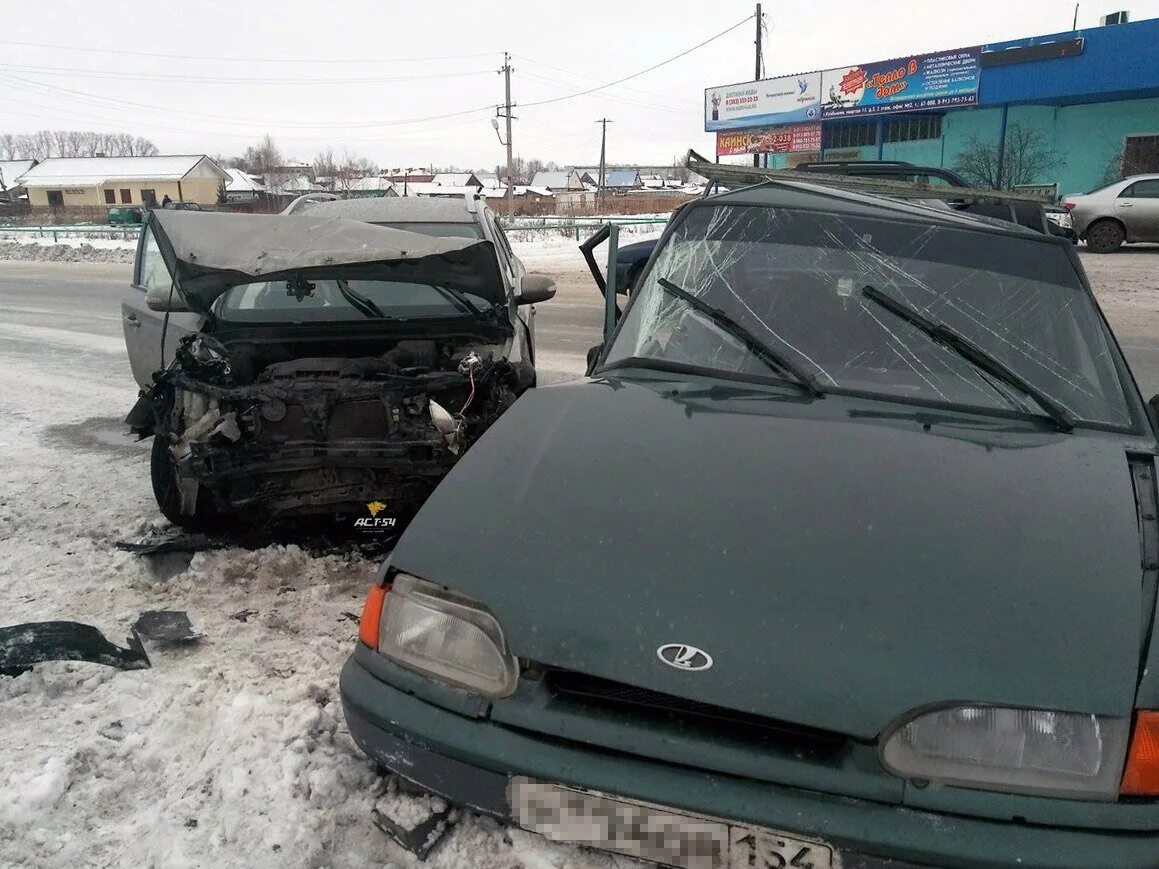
(844, 554)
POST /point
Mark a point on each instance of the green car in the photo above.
(843, 555)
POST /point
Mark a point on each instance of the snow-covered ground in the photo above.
(231, 752)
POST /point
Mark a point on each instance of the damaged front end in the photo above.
(340, 368)
(260, 432)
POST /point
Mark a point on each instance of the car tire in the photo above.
(163, 474)
(1105, 236)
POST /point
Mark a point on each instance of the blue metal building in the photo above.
(1091, 95)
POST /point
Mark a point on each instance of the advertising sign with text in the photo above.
(944, 79)
(784, 100)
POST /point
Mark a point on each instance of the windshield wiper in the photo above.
(360, 303)
(457, 298)
(972, 353)
(770, 357)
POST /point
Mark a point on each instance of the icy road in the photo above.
(232, 752)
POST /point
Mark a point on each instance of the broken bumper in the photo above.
(470, 761)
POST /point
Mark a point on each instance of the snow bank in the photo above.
(69, 250)
(231, 752)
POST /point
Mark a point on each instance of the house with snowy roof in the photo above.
(65, 181)
(242, 186)
(567, 179)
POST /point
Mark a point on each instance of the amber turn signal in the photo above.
(372, 615)
(1141, 776)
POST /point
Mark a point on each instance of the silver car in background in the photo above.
(1126, 211)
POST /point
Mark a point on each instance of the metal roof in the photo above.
(94, 171)
(416, 209)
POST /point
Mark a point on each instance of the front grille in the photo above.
(655, 707)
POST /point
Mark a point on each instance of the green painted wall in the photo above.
(1086, 138)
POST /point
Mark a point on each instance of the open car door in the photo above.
(144, 326)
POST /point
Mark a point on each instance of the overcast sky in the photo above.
(370, 75)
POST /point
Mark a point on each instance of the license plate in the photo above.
(659, 834)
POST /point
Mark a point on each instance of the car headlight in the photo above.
(1062, 754)
(446, 636)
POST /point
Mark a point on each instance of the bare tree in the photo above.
(1026, 158)
(351, 169)
(325, 165)
(265, 157)
(8, 149)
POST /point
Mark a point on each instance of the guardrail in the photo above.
(129, 231)
(577, 224)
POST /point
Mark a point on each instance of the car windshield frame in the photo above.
(454, 305)
(1136, 419)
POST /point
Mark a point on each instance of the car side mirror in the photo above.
(594, 354)
(1153, 407)
(535, 288)
(165, 299)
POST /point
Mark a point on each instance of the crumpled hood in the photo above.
(209, 252)
(840, 564)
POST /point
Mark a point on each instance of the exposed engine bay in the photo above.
(265, 429)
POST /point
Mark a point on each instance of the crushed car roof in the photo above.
(821, 197)
(209, 252)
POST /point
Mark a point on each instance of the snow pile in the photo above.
(67, 251)
(229, 752)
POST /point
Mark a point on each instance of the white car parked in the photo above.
(1126, 211)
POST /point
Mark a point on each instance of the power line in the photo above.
(655, 106)
(115, 102)
(643, 71)
(167, 56)
(196, 79)
(640, 91)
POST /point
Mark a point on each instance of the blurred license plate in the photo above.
(656, 833)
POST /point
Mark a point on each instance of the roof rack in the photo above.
(731, 175)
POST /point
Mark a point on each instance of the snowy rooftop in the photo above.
(455, 179)
(94, 171)
(365, 184)
(10, 170)
(556, 180)
(241, 182)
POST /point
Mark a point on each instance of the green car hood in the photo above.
(841, 564)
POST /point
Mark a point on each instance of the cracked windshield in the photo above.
(795, 281)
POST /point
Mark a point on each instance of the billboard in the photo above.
(774, 140)
(784, 100)
(921, 81)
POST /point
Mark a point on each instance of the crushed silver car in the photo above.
(314, 365)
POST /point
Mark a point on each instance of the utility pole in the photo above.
(757, 71)
(603, 122)
(504, 111)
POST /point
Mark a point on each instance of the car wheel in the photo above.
(163, 474)
(1105, 236)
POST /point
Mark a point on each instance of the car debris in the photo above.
(30, 643)
(418, 822)
(336, 367)
(166, 628)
